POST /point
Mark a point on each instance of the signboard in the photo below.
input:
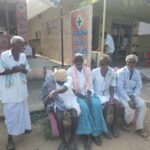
(21, 18)
(81, 32)
(144, 28)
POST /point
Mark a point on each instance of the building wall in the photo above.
(36, 24)
(51, 41)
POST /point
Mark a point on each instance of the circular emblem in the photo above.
(21, 7)
(79, 20)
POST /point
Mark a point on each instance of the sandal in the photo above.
(63, 146)
(108, 135)
(126, 127)
(115, 132)
(10, 146)
(142, 133)
(72, 145)
(97, 140)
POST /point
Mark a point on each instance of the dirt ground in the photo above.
(37, 139)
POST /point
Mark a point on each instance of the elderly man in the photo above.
(104, 83)
(129, 86)
(14, 94)
(91, 120)
(65, 92)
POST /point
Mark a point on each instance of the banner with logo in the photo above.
(81, 32)
(21, 18)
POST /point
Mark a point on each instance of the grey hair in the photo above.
(105, 56)
(16, 39)
(78, 54)
(132, 57)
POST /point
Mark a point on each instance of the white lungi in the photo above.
(140, 112)
(17, 117)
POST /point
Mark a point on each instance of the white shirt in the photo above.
(126, 86)
(28, 50)
(102, 84)
(2, 83)
(17, 92)
(110, 44)
(67, 96)
(125, 42)
(81, 79)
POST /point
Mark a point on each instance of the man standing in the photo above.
(109, 48)
(28, 50)
(14, 94)
(129, 86)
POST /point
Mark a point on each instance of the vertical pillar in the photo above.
(62, 44)
(21, 19)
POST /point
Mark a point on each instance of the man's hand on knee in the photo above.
(131, 104)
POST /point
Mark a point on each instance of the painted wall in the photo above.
(36, 24)
(51, 40)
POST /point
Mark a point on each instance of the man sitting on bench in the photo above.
(65, 92)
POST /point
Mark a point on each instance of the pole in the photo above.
(7, 20)
(103, 30)
(103, 25)
(62, 44)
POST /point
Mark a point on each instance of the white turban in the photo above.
(60, 75)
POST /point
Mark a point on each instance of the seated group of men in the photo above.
(90, 96)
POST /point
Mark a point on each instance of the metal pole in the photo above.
(62, 44)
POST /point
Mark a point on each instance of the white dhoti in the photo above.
(74, 105)
(17, 117)
(105, 98)
(139, 113)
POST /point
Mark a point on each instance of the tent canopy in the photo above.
(35, 7)
(138, 9)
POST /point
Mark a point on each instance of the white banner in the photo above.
(144, 28)
(53, 3)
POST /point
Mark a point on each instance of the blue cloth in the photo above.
(48, 86)
(91, 121)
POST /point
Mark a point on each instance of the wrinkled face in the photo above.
(78, 61)
(17, 47)
(131, 64)
(104, 64)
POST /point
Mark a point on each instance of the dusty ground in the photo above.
(37, 139)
